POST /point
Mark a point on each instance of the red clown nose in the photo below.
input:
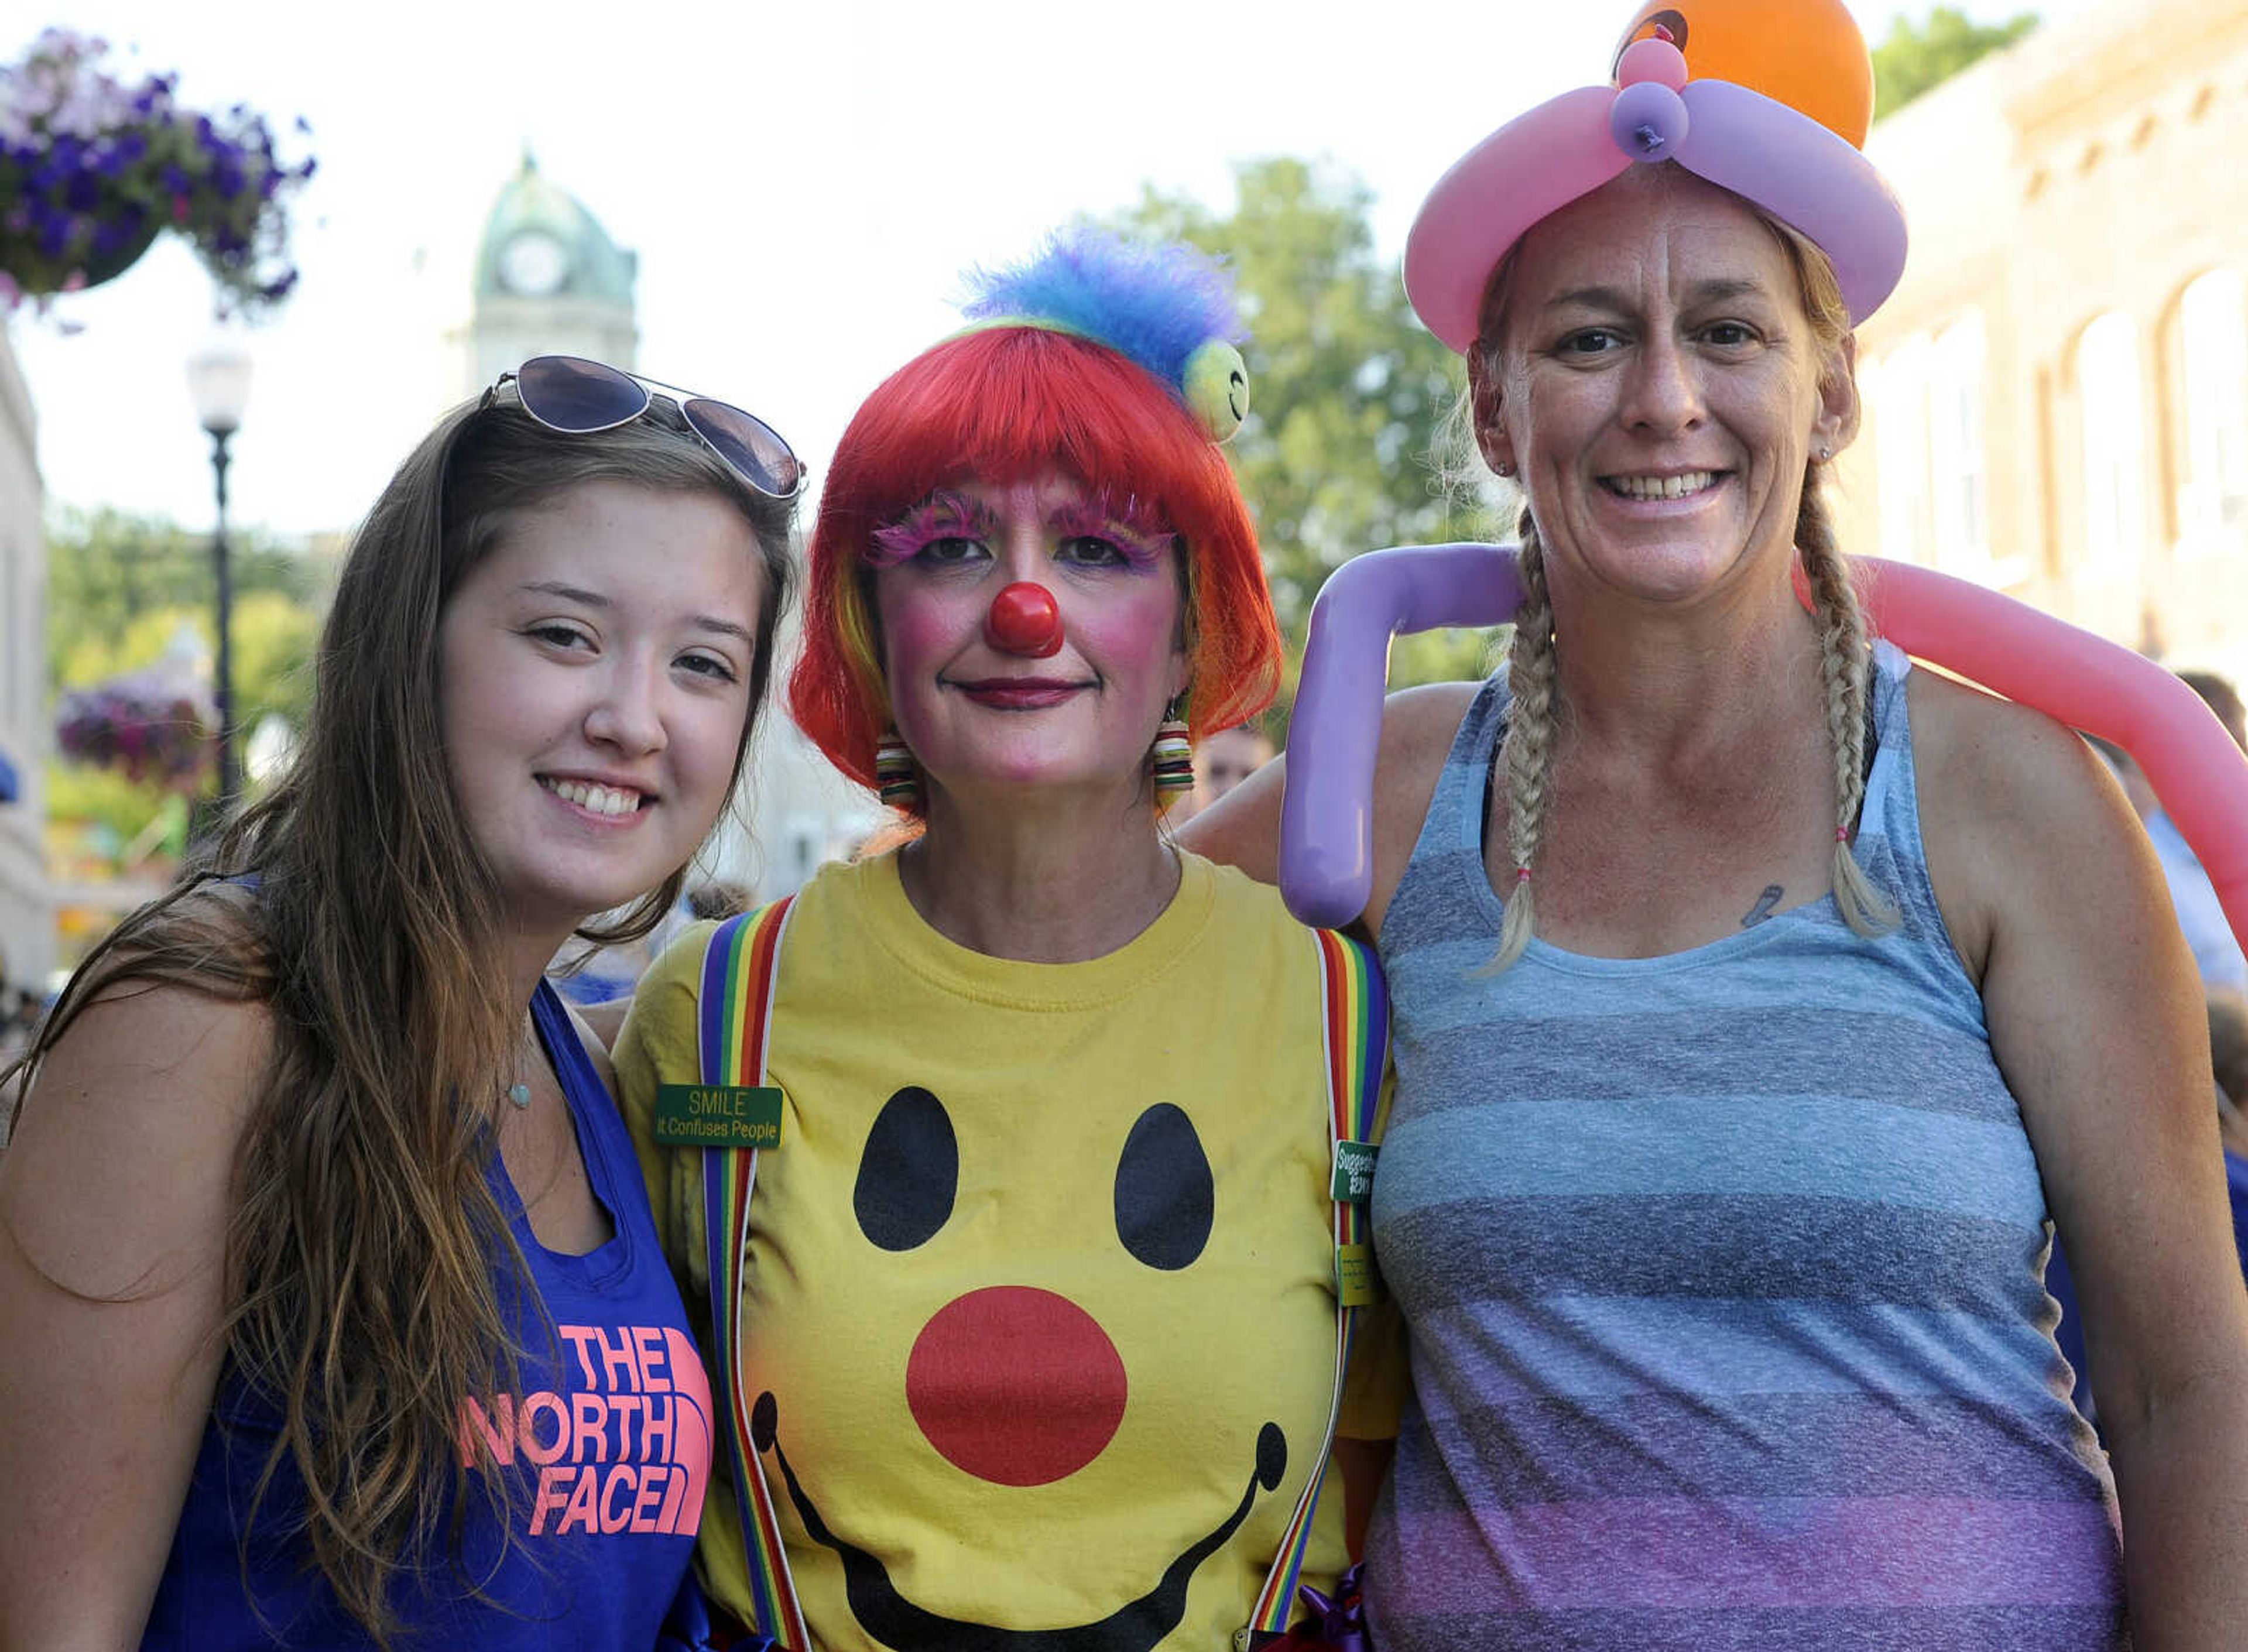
(1024, 620)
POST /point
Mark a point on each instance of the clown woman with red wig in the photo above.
(1004, 1162)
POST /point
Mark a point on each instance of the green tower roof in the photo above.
(600, 268)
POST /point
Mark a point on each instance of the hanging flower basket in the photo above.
(94, 169)
(154, 725)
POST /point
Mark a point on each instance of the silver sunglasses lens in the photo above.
(572, 394)
(748, 444)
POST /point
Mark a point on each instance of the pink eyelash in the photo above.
(1128, 524)
(944, 515)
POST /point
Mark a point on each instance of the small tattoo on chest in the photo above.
(1756, 913)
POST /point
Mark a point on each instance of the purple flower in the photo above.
(86, 160)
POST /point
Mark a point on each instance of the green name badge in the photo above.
(1357, 1284)
(718, 1115)
(1354, 1171)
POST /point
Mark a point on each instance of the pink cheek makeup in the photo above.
(1127, 642)
(922, 636)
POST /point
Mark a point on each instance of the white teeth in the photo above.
(599, 798)
(1662, 487)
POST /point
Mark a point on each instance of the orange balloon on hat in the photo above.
(1808, 54)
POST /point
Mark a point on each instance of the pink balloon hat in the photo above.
(1672, 101)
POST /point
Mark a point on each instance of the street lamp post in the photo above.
(218, 383)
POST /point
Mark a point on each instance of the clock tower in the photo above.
(548, 281)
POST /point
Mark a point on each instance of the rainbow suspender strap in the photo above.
(1356, 1027)
(737, 1009)
(739, 970)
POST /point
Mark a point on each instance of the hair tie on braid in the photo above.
(1842, 834)
(1522, 874)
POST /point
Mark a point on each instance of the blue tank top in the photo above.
(607, 1448)
(1723, 1272)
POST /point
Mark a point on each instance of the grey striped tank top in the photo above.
(1724, 1276)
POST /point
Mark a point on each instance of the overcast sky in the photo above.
(803, 184)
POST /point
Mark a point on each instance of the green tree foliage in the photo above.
(131, 818)
(1348, 392)
(120, 588)
(1916, 56)
(120, 591)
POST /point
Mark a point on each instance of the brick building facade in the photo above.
(2056, 395)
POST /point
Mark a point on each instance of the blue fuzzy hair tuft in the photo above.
(1154, 302)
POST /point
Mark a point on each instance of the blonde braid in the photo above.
(1531, 675)
(1845, 662)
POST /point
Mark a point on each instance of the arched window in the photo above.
(2115, 445)
(2212, 323)
(1959, 487)
(1895, 390)
(1925, 400)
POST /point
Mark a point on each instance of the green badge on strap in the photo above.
(1357, 1284)
(1354, 1171)
(718, 1115)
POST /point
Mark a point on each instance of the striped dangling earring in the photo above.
(1172, 759)
(896, 775)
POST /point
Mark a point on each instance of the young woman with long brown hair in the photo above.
(335, 1316)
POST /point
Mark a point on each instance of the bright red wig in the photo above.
(999, 405)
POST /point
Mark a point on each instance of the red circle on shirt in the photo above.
(1016, 1385)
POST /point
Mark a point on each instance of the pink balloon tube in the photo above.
(1327, 833)
(2089, 684)
(1326, 838)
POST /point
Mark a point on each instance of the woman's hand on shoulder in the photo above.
(1242, 828)
(115, 1200)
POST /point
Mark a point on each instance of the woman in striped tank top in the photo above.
(1755, 998)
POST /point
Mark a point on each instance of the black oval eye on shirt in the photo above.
(1166, 1197)
(910, 1173)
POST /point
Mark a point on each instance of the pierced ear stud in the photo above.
(1825, 453)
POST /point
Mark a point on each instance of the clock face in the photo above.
(533, 264)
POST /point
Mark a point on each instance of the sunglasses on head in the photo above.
(581, 398)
